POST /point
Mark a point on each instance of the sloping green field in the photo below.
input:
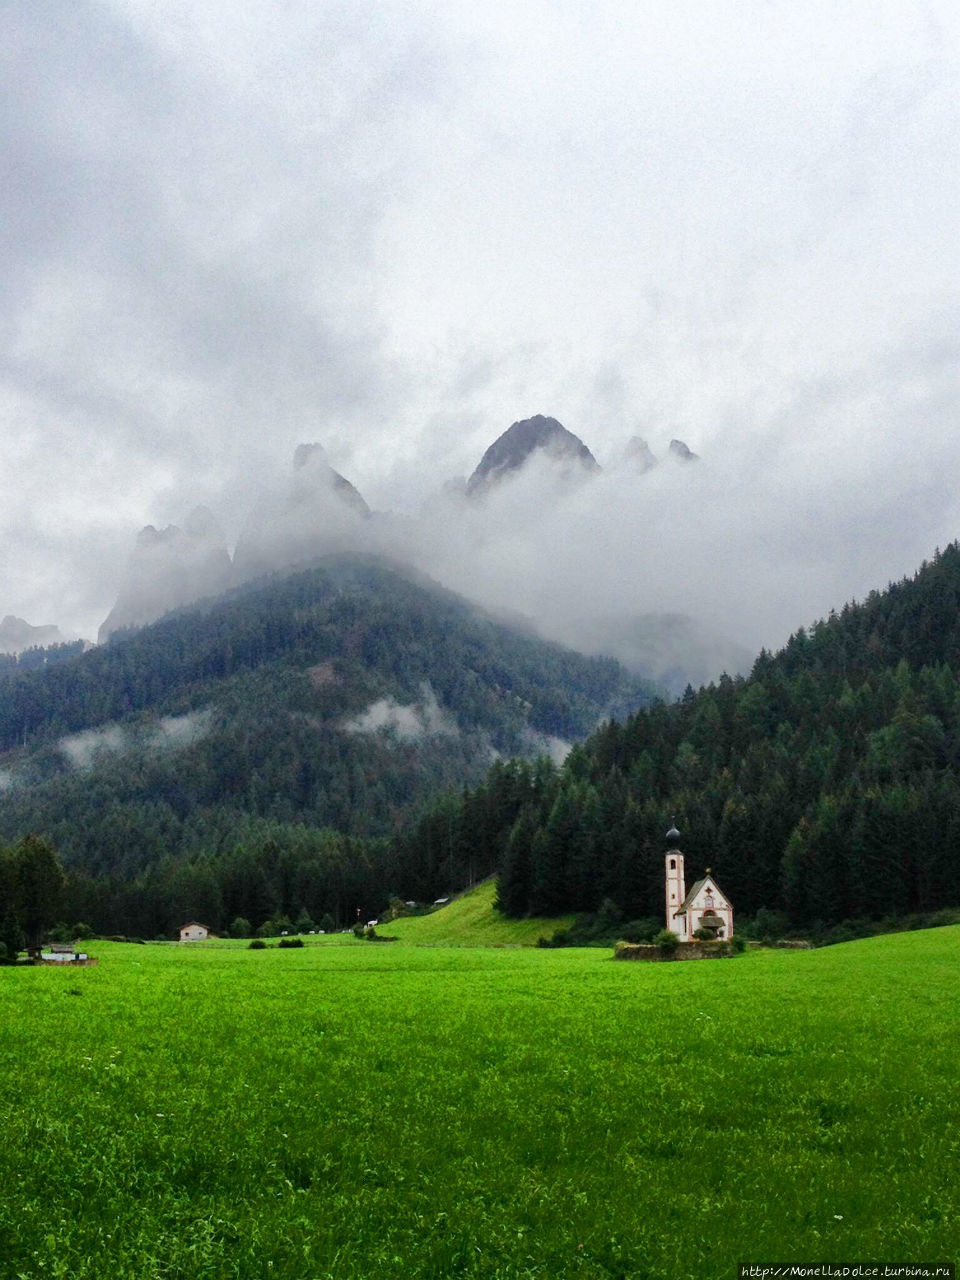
(373, 1111)
(472, 920)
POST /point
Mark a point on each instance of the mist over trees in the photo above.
(826, 785)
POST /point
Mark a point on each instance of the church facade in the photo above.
(704, 906)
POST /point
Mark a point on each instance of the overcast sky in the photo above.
(397, 227)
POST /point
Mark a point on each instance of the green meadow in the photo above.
(367, 1110)
(472, 920)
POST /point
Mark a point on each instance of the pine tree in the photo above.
(515, 878)
(39, 881)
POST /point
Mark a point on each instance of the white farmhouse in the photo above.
(704, 907)
(193, 932)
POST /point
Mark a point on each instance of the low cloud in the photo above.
(180, 731)
(410, 723)
(82, 750)
(544, 744)
(833, 497)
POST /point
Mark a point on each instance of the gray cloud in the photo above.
(545, 744)
(168, 733)
(398, 230)
(81, 749)
(409, 723)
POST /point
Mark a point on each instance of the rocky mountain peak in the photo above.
(314, 512)
(638, 455)
(682, 452)
(510, 451)
(16, 635)
(170, 567)
(313, 477)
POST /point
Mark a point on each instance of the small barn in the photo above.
(194, 932)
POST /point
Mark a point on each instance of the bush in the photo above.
(739, 944)
(275, 927)
(562, 938)
(256, 944)
(359, 930)
(291, 942)
(83, 932)
(327, 923)
(666, 941)
(240, 928)
(601, 929)
(11, 935)
(768, 925)
(644, 930)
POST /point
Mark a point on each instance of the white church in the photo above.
(704, 907)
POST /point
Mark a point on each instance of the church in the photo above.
(704, 907)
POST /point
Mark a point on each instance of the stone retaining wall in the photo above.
(682, 951)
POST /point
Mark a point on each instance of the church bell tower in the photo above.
(676, 887)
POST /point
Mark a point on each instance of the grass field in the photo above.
(371, 1111)
(472, 920)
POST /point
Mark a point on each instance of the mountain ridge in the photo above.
(17, 635)
(339, 696)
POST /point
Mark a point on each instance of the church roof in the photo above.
(695, 889)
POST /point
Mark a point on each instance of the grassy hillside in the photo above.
(472, 920)
(402, 1113)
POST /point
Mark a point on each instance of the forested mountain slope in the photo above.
(32, 659)
(339, 697)
(825, 785)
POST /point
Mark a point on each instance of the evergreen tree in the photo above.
(515, 879)
(38, 886)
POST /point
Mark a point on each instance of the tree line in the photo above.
(265, 873)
